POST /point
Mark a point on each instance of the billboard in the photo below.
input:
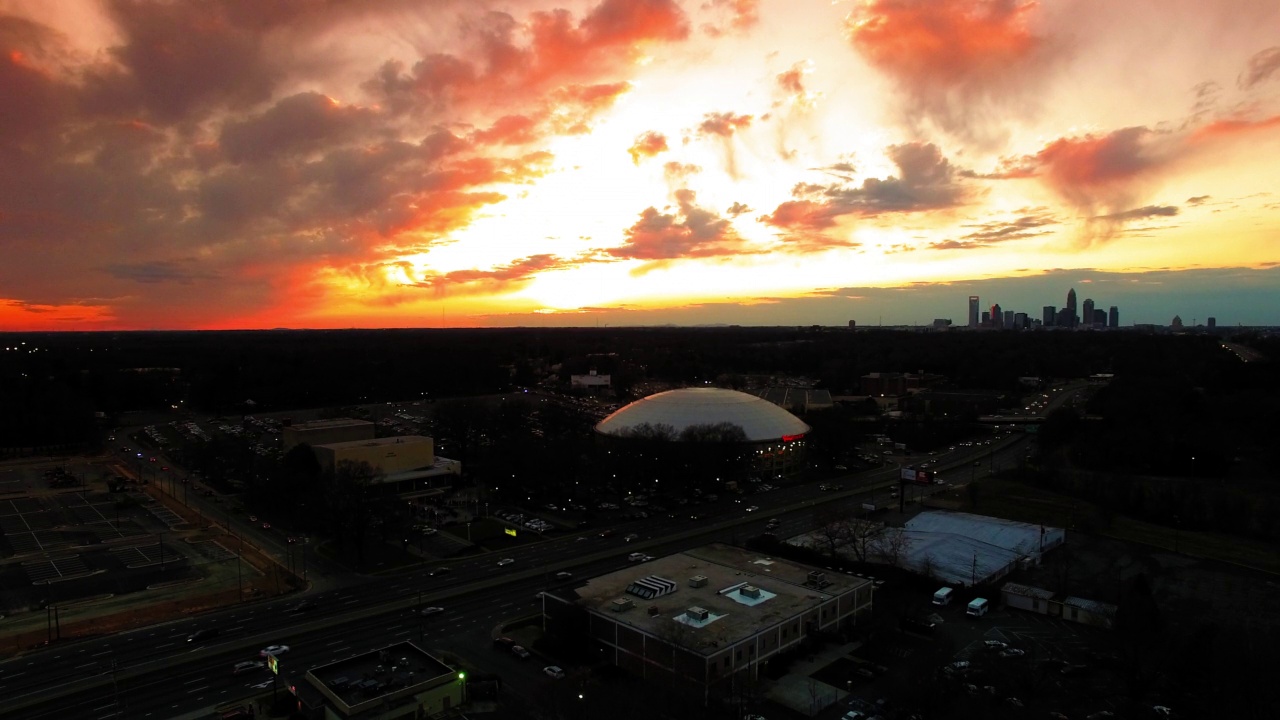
(913, 475)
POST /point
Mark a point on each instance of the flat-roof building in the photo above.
(323, 432)
(398, 681)
(408, 463)
(714, 615)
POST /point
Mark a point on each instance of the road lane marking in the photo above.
(206, 687)
(104, 652)
(164, 645)
(95, 662)
(335, 642)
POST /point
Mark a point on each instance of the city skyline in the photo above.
(222, 165)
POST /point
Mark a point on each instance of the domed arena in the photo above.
(767, 442)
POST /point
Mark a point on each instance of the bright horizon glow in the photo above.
(189, 166)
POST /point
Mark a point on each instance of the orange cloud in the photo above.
(1228, 128)
(692, 232)
(723, 124)
(648, 144)
(953, 58)
(731, 15)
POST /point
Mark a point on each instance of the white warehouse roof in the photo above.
(760, 419)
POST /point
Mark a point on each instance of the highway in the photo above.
(155, 672)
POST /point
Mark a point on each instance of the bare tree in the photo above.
(891, 546)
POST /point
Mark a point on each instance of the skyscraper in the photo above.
(1008, 320)
(1113, 321)
(1050, 313)
(997, 317)
(1086, 313)
(973, 311)
(1071, 307)
(1213, 323)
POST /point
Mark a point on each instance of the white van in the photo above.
(943, 596)
(978, 607)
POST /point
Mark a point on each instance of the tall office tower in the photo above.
(1086, 313)
(1008, 320)
(1050, 312)
(997, 317)
(1071, 307)
(973, 311)
(1113, 320)
(1213, 323)
(1064, 317)
(986, 318)
(1020, 321)
(1099, 318)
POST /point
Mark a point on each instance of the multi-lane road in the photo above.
(155, 672)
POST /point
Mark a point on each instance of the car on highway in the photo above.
(631, 538)
(753, 508)
(266, 526)
(253, 518)
(520, 652)
(564, 575)
(608, 533)
(636, 557)
(202, 635)
(505, 561)
(503, 642)
(428, 611)
(247, 666)
(304, 606)
(439, 571)
(554, 671)
(273, 650)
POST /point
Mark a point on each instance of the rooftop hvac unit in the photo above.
(698, 581)
(818, 578)
(750, 591)
(622, 604)
(697, 613)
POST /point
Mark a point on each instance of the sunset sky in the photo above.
(415, 163)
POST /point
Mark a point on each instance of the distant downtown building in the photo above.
(1089, 317)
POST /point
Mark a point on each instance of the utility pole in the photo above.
(973, 580)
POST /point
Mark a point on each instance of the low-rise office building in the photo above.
(398, 681)
(710, 619)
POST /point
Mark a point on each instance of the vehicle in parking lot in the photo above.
(202, 635)
(554, 671)
(636, 557)
(247, 666)
(273, 650)
(520, 652)
(995, 644)
(504, 642)
(505, 561)
(1012, 652)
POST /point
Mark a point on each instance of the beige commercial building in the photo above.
(324, 432)
(406, 465)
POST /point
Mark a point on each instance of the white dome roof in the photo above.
(760, 419)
